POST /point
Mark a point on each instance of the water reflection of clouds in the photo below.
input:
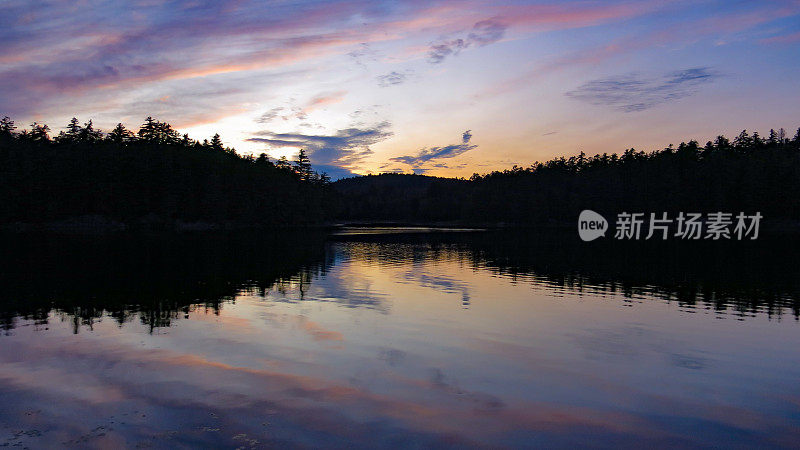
(418, 276)
(341, 285)
(238, 400)
(637, 346)
(236, 390)
(392, 356)
(315, 330)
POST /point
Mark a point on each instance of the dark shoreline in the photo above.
(102, 225)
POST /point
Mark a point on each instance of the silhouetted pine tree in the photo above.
(216, 142)
(303, 166)
(120, 135)
(7, 127)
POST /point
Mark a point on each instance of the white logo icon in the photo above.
(591, 225)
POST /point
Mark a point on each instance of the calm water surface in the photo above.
(418, 339)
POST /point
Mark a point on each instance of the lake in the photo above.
(397, 338)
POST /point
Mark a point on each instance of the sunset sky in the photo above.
(437, 87)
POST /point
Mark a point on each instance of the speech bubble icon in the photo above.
(591, 225)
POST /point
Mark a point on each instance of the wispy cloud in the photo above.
(486, 32)
(483, 33)
(433, 154)
(323, 100)
(363, 54)
(632, 92)
(782, 39)
(391, 79)
(301, 111)
(438, 52)
(270, 115)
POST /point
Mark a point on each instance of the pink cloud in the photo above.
(783, 39)
(324, 100)
(572, 15)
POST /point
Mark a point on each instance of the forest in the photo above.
(155, 177)
(750, 173)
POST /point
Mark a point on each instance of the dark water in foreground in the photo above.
(397, 340)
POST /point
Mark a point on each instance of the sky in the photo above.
(445, 88)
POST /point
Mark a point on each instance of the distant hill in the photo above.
(399, 198)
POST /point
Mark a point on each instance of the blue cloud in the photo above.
(631, 93)
(342, 149)
(428, 155)
(391, 79)
(483, 33)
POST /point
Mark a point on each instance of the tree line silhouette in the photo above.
(750, 173)
(157, 177)
(153, 176)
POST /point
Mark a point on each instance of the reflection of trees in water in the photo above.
(743, 278)
(341, 289)
(155, 279)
